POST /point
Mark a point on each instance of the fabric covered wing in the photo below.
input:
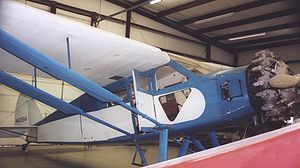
(96, 54)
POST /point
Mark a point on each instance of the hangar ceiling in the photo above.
(232, 25)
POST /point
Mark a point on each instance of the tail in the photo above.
(27, 112)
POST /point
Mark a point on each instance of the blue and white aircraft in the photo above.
(133, 91)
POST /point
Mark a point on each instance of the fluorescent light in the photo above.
(214, 18)
(155, 1)
(248, 36)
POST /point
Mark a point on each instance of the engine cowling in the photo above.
(272, 101)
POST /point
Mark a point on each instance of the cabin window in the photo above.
(173, 102)
(143, 83)
(122, 93)
(167, 76)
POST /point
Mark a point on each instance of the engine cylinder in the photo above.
(272, 104)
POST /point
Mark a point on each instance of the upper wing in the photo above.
(96, 54)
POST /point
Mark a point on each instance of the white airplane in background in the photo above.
(133, 91)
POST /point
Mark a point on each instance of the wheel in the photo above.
(24, 147)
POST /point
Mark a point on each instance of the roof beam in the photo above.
(172, 24)
(250, 20)
(64, 7)
(137, 5)
(183, 7)
(139, 2)
(270, 45)
(165, 21)
(165, 33)
(195, 57)
(116, 20)
(266, 40)
(260, 30)
(128, 24)
(228, 10)
(143, 12)
(53, 7)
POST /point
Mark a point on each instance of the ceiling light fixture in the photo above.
(155, 1)
(248, 36)
(214, 18)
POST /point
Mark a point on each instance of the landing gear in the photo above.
(196, 145)
(213, 139)
(141, 153)
(162, 151)
(24, 147)
(163, 145)
(87, 146)
(185, 146)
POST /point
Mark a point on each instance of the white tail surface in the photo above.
(27, 112)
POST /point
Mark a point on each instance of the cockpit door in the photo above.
(143, 87)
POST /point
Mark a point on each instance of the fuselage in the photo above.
(192, 105)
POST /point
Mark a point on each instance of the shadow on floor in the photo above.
(60, 156)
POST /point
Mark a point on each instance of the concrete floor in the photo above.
(62, 156)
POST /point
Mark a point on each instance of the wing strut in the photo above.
(55, 69)
(48, 99)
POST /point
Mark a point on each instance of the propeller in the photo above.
(283, 81)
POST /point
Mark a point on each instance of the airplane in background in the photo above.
(133, 91)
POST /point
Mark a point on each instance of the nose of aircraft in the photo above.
(272, 87)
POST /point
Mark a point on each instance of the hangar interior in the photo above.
(224, 32)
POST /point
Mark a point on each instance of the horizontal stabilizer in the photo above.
(15, 131)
